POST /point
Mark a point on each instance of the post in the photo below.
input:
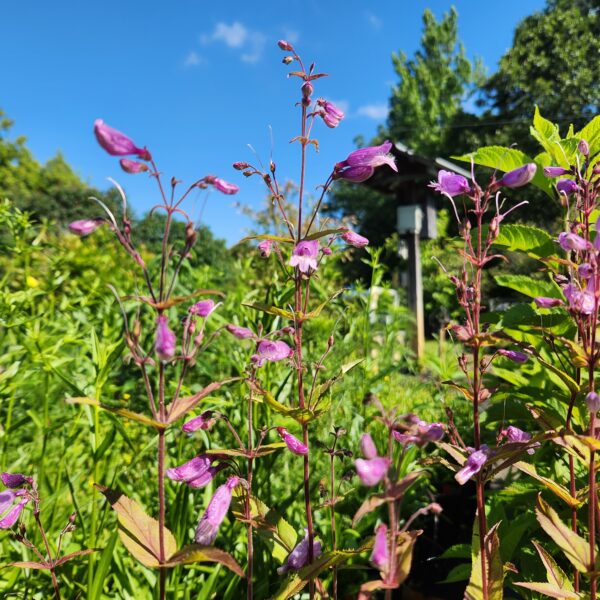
(415, 294)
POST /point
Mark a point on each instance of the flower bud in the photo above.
(326, 250)
(286, 60)
(241, 333)
(298, 557)
(367, 446)
(265, 248)
(15, 480)
(566, 186)
(518, 177)
(85, 226)
(354, 239)
(518, 357)
(555, 171)
(293, 443)
(203, 308)
(543, 302)
(285, 46)
(204, 421)
(593, 402)
(240, 166)
(115, 142)
(132, 166)
(165, 341)
(380, 556)
(583, 147)
(224, 187)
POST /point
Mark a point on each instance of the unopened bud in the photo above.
(247, 173)
(326, 250)
(72, 517)
(583, 147)
(272, 166)
(330, 341)
(307, 89)
(285, 46)
(191, 235)
(240, 166)
(286, 60)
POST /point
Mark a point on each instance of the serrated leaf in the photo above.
(138, 531)
(591, 133)
(555, 575)
(195, 553)
(535, 242)
(123, 412)
(574, 547)
(494, 567)
(529, 286)
(548, 589)
(559, 490)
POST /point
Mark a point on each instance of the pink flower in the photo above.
(518, 357)
(380, 556)
(544, 302)
(515, 435)
(197, 472)
(115, 142)
(566, 186)
(572, 241)
(354, 239)
(85, 226)
(165, 341)
(242, 333)
(593, 402)
(203, 308)
(265, 248)
(293, 443)
(204, 421)
(285, 46)
(420, 432)
(473, 465)
(132, 166)
(273, 351)
(9, 511)
(208, 525)
(354, 174)
(374, 156)
(518, 177)
(298, 557)
(224, 187)
(331, 114)
(367, 446)
(555, 171)
(450, 184)
(304, 256)
(373, 470)
(15, 480)
(579, 301)
(585, 270)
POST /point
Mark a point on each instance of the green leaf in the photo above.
(554, 487)
(548, 589)
(507, 159)
(317, 311)
(138, 531)
(102, 567)
(266, 236)
(535, 242)
(574, 547)
(195, 553)
(271, 310)
(529, 286)
(555, 575)
(494, 567)
(325, 232)
(123, 412)
(264, 450)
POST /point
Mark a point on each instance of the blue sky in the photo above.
(198, 81)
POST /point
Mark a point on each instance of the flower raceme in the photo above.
(209, 523)
(117, 143)
(361, 164)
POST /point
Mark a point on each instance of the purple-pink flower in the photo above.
(270, 350)
(367, 446)
(544, 302)
(473, 465)
(115, 142)
(209, 523)
(84, 227)
(15, 480)
(241, 333)
(593, 401)
(572, 241)
(361, 164)
(518, 177)
(354, 239)
(450, 184)
(292, 442)
(555, 171)
(132, 166)
(10, 509)
(380, 556)
(203, 308)
(514, 355)
(514, 434)
(197, 472)
(420, 432)
(224, 187)
(204, 421)
(331, 114)
(567, 186)
(298, 557)
(165, 341)
(305, 254)
(265, 248)
(372, 471)
(582, 301)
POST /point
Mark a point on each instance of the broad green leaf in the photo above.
(568, 381)
(547, 134)
(559, 490)
(271, 310)
(555, 575)
(529, 286)
(507, 159)
(494, 567)
(535, 242)
(123, 412)
(138, 531)
(195, 553)
(574, 547)
(548, 589)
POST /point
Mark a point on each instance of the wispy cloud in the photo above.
(291, 35)
(374, 21)
(238, 37)
(193, 59)
(377, 112)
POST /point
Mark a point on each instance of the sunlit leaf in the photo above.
(123, 412)
(195, 553)
(556, 488)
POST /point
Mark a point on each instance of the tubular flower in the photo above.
(354, 239)
(518, 357)
(361, 164)
(298, 557)
(293, 443)
(372, 471)
(367, 446)
(555, 171)
(10, 510)
(194, 470)
(132, 166)
(272, 351)
(518, 177)
(265, 248)
(420, 433)
(84, 227)
(304, 256)
(115, 142)
(514, 434)
(241, 333)
(544, 302)
(450, 184)
(224, 187)
(473, 465)
(203, 308)
(166, 340)
(572, 241)
(380, 556)
(15, 480)
(581, 301)
(331, 114)
(204, 421)
(209, 523)
(566, 186)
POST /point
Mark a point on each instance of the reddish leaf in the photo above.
(67, 557)
(195, 553)
(29, 564)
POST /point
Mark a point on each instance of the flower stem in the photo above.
(161, 482)
(250, 570)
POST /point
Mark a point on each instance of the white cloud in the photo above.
(193, 59)
(237, 36)
(291, 36)
(377, 112)
(374, 21)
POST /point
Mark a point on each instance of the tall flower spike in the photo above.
(165, 339)
(208, 525)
